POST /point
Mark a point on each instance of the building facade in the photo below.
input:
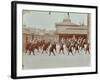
(68, 29)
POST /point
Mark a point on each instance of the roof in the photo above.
(67, 22)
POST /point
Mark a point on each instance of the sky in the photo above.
(46, 20)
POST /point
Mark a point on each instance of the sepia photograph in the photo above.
(55, 39)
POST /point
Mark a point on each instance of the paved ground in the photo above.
(60, 60)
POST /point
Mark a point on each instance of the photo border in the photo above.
(14, 38)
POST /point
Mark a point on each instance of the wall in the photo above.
(5, 40)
